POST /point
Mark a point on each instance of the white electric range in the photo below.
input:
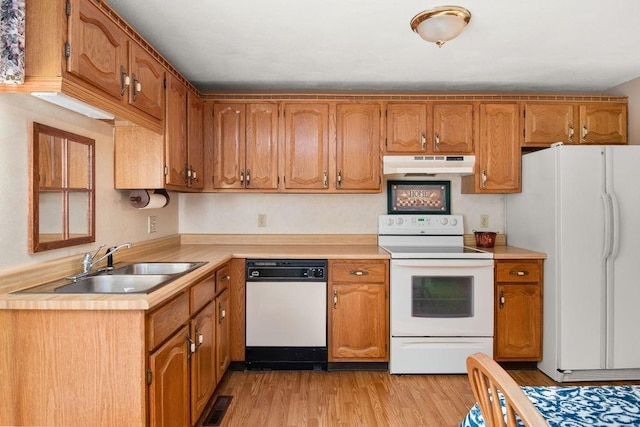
(441, 299)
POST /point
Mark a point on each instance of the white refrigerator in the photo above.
(581, 206)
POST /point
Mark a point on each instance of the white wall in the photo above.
(632, 90)
(116, 221)
(237, 213)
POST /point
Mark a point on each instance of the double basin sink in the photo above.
(137, 278)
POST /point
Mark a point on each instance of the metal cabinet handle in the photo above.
(187, 174)
(339, 178)
(436, 141)
(358, 272)
(137, 87)
(423, 141)
(571, 132)
(225, 278)
(124, 80)
(192, 346)
(502, 299)
(483, 179)
(248, 176)
(519, 273)
(242, 177)
(222, 313)
(583, 133)
(335, 298)
(325, 179)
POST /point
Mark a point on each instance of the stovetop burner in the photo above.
(425, 237)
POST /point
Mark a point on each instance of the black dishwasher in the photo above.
(286, 314)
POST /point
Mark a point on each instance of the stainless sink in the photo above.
(144, 268)
(136, 278)
(116, 284)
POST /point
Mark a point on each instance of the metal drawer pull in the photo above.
(358, 272)
(225, 278)
(335, 298)
(519, 273)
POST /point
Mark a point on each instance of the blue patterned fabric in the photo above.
(12, 41)
(578, 406)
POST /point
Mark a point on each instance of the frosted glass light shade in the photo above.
(441, 24)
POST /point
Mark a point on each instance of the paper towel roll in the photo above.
(142, 199)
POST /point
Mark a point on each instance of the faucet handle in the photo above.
(96, 253)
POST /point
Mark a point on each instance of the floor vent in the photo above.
(217, 411)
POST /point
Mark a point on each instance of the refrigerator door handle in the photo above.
(615, 220)
(608, 232)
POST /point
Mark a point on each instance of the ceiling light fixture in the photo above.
(440, 24)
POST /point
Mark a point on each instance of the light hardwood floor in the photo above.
(351, 398)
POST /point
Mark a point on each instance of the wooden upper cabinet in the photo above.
(228, 145)
(498, 151)
(545, 124)
(261, 153)
(358, 147)
(195, 141)
(603, 123)
(306, 145)
(97, 49)
(176, 133)
(146, 91)
(432, 127)
(406, 128)
(452, 128)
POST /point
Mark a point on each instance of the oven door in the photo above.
(441, 298)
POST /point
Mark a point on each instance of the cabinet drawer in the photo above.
(222, 278)
(365, 271)
(518, 271)
(202, 293)
(166, 320)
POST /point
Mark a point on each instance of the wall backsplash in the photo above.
(237, 213)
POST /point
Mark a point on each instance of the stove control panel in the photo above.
(420, 224)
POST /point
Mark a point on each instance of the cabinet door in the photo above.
(223, 348)
(98, 48)
(359, 327)
(228, 145)
(358, 147)
(176, 133)
(603, 123)
(146, 91)
(306, 146)
(498, 160)
(195, 141)
(169, 387)
(545, 124)
(453, 128)
(406, 128)
(203, 367)
(518, 322)
(261, 171)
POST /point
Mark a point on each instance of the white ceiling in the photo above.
(585, 46)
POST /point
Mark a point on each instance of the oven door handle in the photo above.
(430, 263)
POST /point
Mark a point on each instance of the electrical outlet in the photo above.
(262, 220)
(484, 221)
(151, 224)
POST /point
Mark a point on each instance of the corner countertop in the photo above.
(215, 255)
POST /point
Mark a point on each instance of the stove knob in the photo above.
(400, 220)
(390, 221)
(444, 221)
(454, 221)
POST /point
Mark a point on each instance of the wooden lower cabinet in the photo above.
(169, 387)
(358, 311)
(203, 361)
(518, 311)
(222, 330)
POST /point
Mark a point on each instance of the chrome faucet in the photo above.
(88, 261)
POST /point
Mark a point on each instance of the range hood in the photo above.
(417, 166)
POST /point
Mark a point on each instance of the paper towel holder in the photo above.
(149, 199)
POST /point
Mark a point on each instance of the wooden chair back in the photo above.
(487, 378)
